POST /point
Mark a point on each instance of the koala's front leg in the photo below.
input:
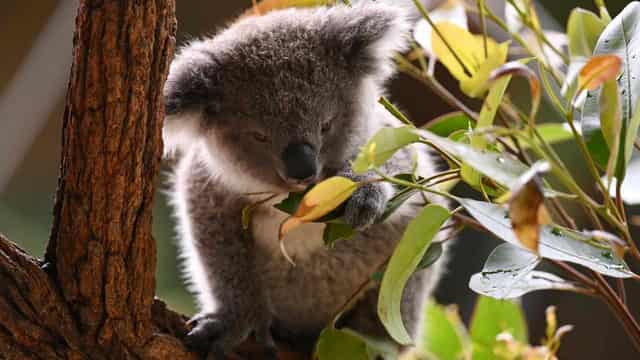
(228, 260)
(368, 203)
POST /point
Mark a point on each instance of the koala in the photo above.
(270, 105)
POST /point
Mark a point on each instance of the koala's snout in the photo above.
(300, 163)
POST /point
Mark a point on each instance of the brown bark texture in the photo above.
(93, 295)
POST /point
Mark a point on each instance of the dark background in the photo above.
(27, 189)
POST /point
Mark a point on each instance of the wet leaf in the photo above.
(620, 38)
(526, 207)
(382, 146)
(509, 273)
(502, 168)
(474, 71)
(555, 243)
(403, 262)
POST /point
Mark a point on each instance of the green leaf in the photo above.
(556, 243)
(336, 230)
(622, 38)
(404, 260)
(382, 146)
(486, 117)
(449, 123)
(553, 133)
(434, 252)
(440, 337)
(508, 273)
(291, 203)
(583, 30)
(502, 168)
(338, 344)
(492, 317)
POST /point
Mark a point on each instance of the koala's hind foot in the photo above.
(212, 335)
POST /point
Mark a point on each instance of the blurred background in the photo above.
(36, 37)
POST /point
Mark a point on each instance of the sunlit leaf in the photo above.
(620, 38)
(555, 243)
(583, 30)
(439, 334)
(339, 344)
(382, 146)
(452, 11)
(526, 207)
(508, 273)
(493, 317)
(554, 133)
(474, 71)
(404, 260)
(598, 70)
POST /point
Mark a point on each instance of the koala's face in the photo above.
(283, 99)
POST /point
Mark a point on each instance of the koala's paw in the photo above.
(366, 205)
(213, 335)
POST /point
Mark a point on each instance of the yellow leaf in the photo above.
(318, 202)
(471, 67)
(598, 70)
(325, 197)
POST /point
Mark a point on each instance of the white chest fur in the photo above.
(299, 243)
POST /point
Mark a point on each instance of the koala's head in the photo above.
(282, 100)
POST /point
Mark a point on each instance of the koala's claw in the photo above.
(365, 206)
(212, 335)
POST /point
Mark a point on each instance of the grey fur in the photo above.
(286, 76)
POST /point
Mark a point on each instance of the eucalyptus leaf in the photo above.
(492, 317)
(583, 30)
(336, 230)
(502, 168)
(621, 37)
(508, 273)
(485, 119)
(382, 146)
(447, 124)
(434, 252)
(439, 334)
(556, 243)
(404, 260)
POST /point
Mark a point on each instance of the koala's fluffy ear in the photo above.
(192, 89)
(368, 36)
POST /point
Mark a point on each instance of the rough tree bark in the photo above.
(93, 295)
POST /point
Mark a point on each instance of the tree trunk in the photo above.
(93, 296)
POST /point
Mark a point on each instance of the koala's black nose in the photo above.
(299, 161)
